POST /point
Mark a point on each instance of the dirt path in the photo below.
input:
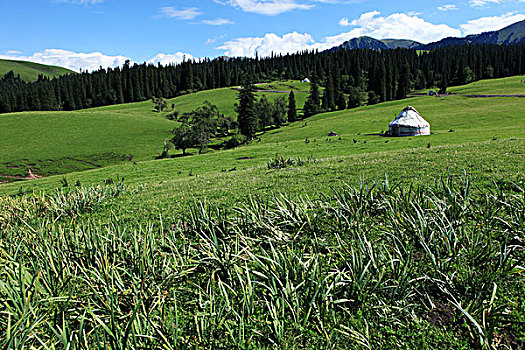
(30, 176)
(277, 91)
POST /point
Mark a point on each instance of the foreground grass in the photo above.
(371, 266)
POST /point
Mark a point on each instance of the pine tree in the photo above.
(264, 113)
(329, 94)
(312, 104)
(247, 116)
(382, 82)
(340, 101)
(356, 98)
(389, 81)
(403, 87)
(279, 114)
(292, 109)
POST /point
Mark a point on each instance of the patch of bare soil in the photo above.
(30, 176)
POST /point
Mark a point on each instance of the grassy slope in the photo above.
(490, 150)
(99, 136)
(29, 71)
(505, 86)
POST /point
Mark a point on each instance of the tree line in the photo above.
(365, 76)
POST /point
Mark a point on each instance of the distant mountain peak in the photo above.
(513, 34)
(366, 42)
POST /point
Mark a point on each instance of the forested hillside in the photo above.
(379, 75)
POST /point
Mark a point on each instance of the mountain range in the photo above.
(513, 34)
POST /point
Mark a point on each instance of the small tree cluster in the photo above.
(159, 104)
(312, 104)
(198, 127)
(271, 114)
(256, 115)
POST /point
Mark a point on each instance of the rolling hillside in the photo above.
(110, 135)
(29, 71)
(97, 137)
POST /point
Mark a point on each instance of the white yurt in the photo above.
(409, 123)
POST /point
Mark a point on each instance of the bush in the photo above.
(279, 162)
(235, 141)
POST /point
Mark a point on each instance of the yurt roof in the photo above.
(409, 117)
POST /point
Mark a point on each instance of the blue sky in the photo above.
(90, 33)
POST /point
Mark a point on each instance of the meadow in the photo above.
(120, 131)
(295, 240)
(53, 143)
(505, 86)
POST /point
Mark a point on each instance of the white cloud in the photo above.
(186, 13)
(72, 60)
(266, 7)
(397, 25)
(362, 20)
(91, 61)
(166, 59)
(214, 40)
(13, 52)
(483, 3)
(449, 7)
(344, 22)
(365, 18)
(487, 24)
(217, 21)
(288, 43)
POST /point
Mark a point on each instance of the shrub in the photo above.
(280, 162)
(235, 141)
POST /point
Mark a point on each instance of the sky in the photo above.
(87, 34)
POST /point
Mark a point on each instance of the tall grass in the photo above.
(375, 266)
(62, 202)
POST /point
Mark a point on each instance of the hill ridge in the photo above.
(512, 34)
(29, 71)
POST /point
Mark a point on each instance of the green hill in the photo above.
(364, 42)
(400, 43)
(29, 71)
(130, 133)
(51, 143)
